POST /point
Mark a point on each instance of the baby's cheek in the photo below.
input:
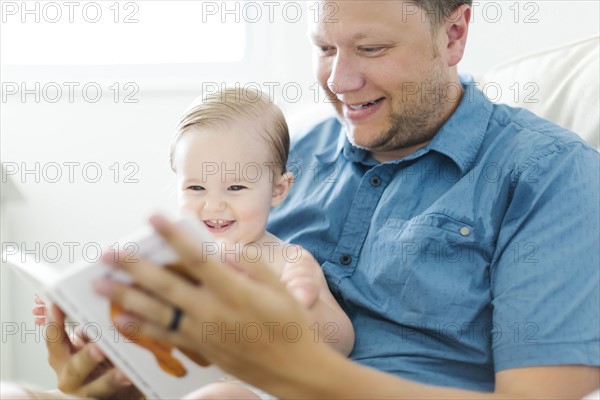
(185, 205)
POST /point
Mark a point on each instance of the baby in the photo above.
(229, 156)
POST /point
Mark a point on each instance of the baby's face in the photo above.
(223, 177)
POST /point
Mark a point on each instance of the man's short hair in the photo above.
(438, 11)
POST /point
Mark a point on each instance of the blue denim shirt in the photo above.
(477, 253)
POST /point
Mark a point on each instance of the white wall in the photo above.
(107, 132)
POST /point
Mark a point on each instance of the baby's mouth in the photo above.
(218, 224)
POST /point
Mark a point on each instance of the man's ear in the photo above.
(457, 28)
(281, 188)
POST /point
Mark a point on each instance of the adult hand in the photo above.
(247, 323)
(81, 368)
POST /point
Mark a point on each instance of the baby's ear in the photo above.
(281, 188)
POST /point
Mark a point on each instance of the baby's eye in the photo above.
(196, 187)
(236, 188)
(325, 50)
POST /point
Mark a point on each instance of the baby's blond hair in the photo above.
(234, 105)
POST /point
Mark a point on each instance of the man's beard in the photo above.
(417, 121)
(407, 129)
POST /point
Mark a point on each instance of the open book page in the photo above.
(29, 267)
(158, 368)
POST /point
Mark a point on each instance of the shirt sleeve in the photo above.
(545, 277)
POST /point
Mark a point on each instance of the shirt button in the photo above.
(375, 181)
(464, 231)
(345, 259)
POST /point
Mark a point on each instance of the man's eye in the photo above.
(236, 188)
(195, 188)
(372, 50)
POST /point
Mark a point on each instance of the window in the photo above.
(123, 32)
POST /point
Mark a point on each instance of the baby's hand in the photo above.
(303, 277)
(39, 311)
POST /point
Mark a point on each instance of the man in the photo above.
(461, 237)
(444, 224)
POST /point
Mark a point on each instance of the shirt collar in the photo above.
(459, 138)
(462, 135)
(349, 151)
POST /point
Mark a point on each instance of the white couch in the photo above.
(559, 84)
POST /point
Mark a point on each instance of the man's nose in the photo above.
(345, 75)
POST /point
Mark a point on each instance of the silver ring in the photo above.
(176, 320)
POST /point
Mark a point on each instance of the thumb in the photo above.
(57, 315)
(57, 341)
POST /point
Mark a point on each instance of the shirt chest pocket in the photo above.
(434, 268)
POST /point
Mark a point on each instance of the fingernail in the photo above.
(108, 258)
(78, 331)
(96, 353)
(103, 286)
(124, 319)
(121, 378)
(158, 221)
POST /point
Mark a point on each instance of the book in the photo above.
(159, 369)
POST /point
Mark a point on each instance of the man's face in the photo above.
(386, 72)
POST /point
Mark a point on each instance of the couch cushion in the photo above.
(560, 84)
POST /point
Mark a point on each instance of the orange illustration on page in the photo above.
(162, 350)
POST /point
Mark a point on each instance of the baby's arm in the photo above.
(305, 280)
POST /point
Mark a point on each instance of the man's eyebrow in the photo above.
(315, 37)
(359, 36)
